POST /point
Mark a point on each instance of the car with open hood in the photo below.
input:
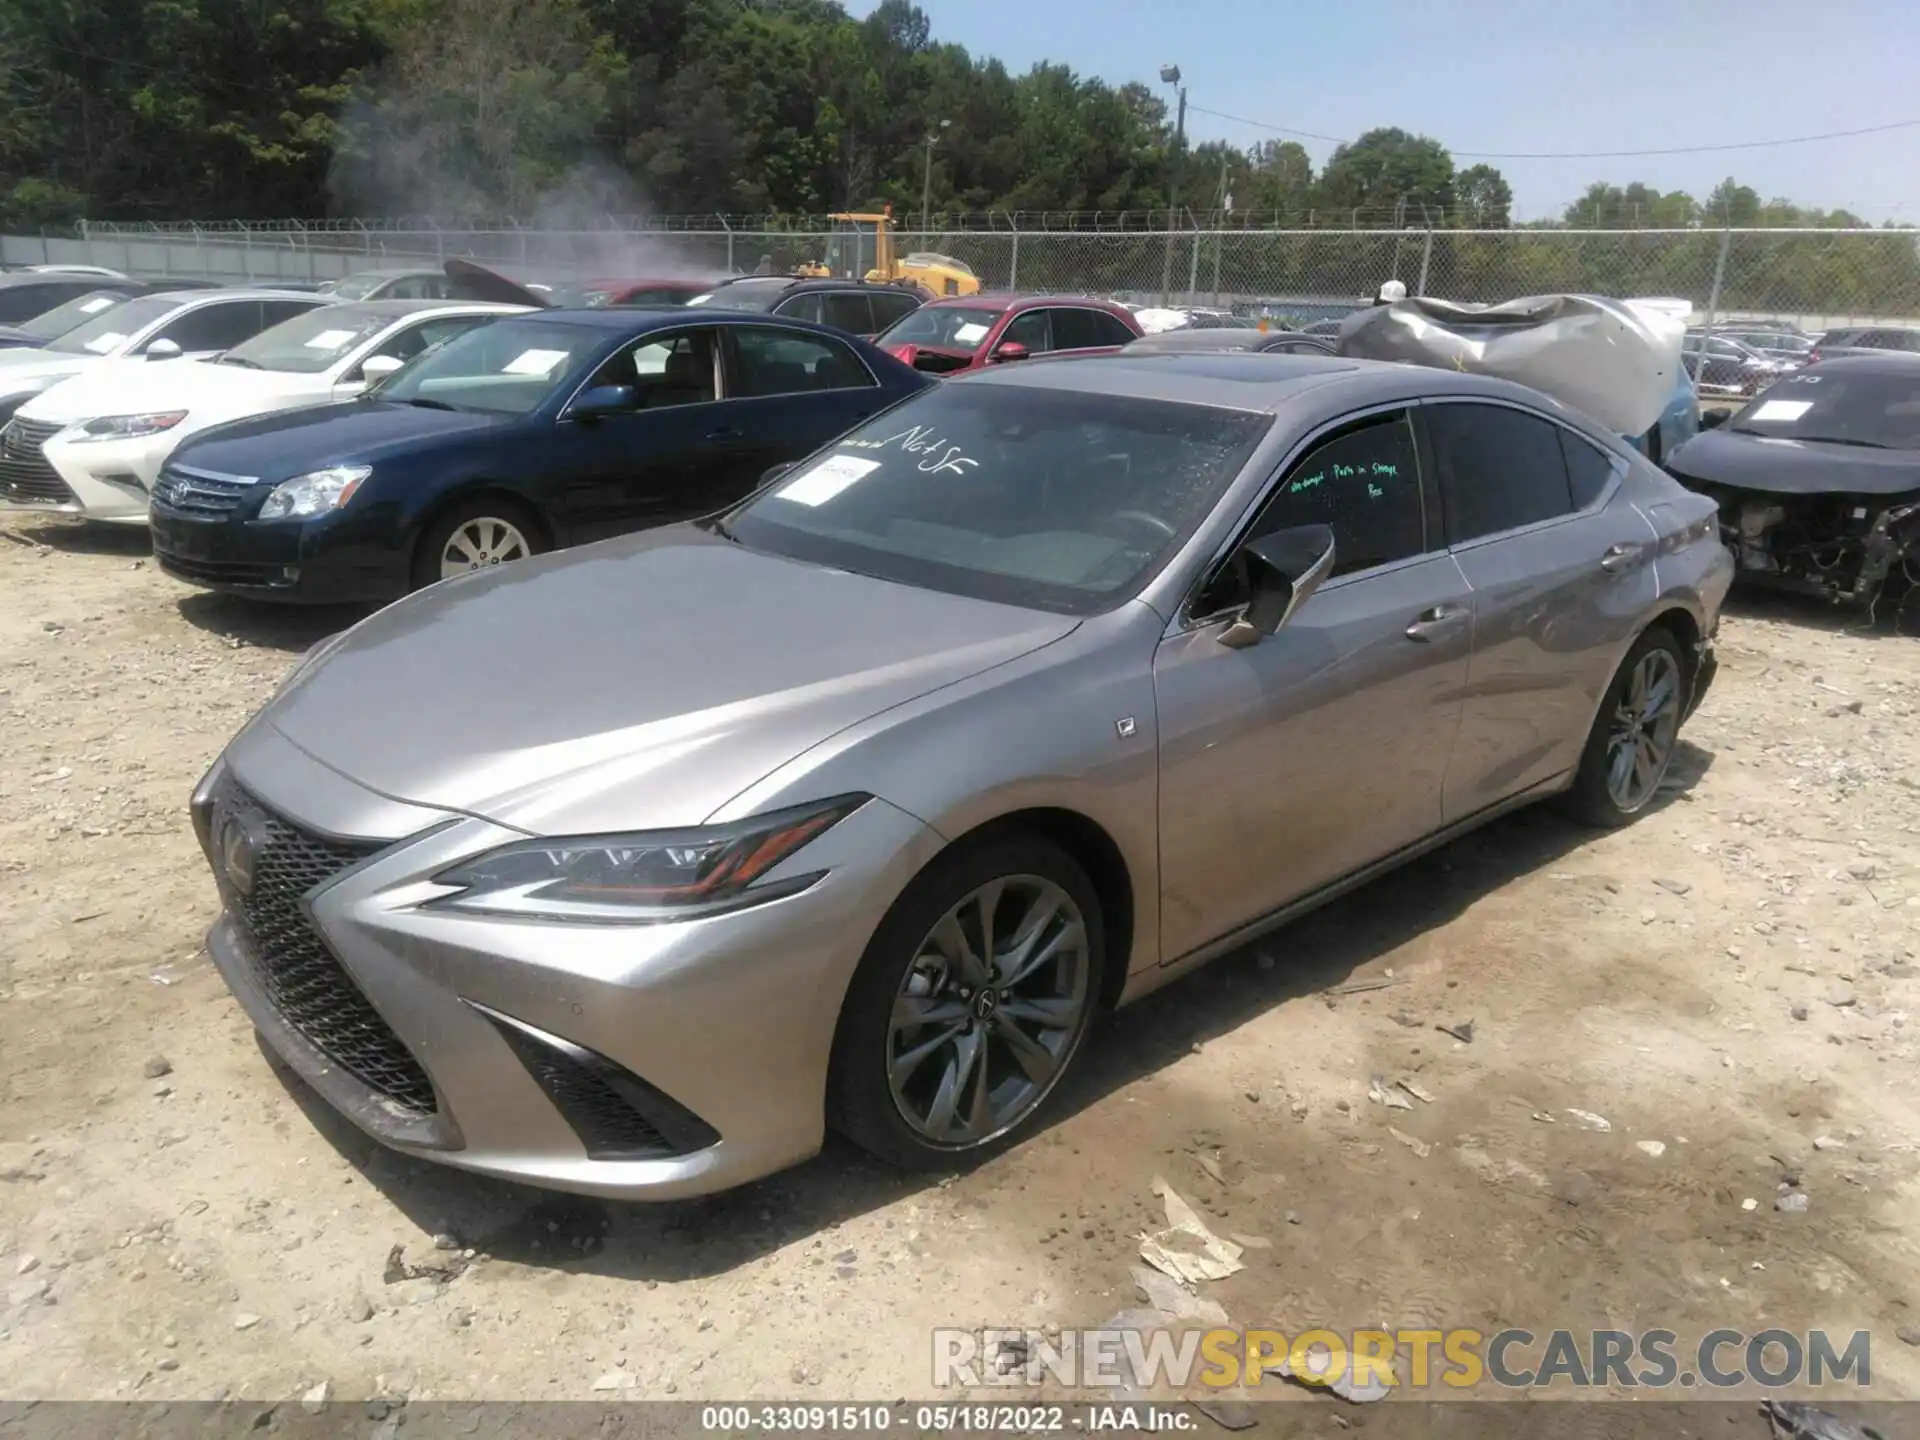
(1817, 480)
(631, 869)
(945, 337)
(112, 431)
(529, 433)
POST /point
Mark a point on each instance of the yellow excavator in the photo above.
(861, 246)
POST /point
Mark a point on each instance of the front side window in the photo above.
(1365, 484)
(1048, 499)
(664, 371)
(1498, 468)
(1030, 328)
(214, 327)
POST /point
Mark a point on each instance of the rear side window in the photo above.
(777, 362)
(846, 311)
(1588, 469)
(1498, 469)
(1078, 329)
(889, 308)
(1365, 483)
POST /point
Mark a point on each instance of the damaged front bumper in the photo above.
(1842, 548)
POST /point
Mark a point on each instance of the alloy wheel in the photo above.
(989, 1012)
(482, 541)
(1646, 722)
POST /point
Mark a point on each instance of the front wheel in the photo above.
(475, 536)
(1634, 735)
(969, 1004)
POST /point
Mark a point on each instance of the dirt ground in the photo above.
(1735, 978)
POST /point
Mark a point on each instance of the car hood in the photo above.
(279, 446)
(22, 369)
(638, 683)
(1782, 466)
(133, 388)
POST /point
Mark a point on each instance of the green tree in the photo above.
(1485, 198)
(1389, 177)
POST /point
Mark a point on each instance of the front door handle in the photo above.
(1618, 557)
(723, 432)
(1433, 620)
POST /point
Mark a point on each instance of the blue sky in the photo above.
(1521, 75)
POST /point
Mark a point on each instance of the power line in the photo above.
(1580, 154)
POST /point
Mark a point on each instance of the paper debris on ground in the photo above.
(1417, 1091)
(1655, 1148)
(1381, 1093)
(1419, 1147)
(1591, 1120)
(1186, 1249)
(1318, 1362)
(1171, 1298)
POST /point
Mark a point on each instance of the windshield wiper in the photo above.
(425, 404)
(717, 524)
(1844, 440)
(241, 360)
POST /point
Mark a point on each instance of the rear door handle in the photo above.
(1618, 557)
(1434, 619)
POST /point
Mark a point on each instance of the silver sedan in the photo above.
(631, 869)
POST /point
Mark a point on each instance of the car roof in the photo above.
(393, 270)
(398, 308)
(1243, 380)
(14, 278)
(1021, 302)
(238, 293)
(1868, 361)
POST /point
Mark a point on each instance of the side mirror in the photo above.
(163, 350)
(378, 367)
(774, 472)
(1283, 569)
(1713, 419)
(604, 400)
(1010, 350)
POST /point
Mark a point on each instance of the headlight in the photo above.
(314, 493)
(122, 427)
(643, 878)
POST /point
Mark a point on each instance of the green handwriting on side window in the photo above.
(1378, 469)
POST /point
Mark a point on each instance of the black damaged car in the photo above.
(1818, 483)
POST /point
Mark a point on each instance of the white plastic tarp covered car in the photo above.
(1618, 360)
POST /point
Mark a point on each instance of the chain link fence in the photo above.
(1815, 277)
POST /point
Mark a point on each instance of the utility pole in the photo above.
(1170, 75)
(926, 180)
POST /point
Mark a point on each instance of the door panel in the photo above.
(1553, 603)
(1295, 761)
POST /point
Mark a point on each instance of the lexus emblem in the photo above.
(236, 854)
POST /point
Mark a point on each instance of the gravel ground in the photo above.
(1729, 983)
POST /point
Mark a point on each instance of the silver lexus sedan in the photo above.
(630, 869)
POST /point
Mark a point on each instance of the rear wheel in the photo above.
(476, 535)
(1634, 735)
(971, 1002)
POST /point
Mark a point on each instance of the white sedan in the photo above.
(94, 444)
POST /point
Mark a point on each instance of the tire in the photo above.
(525, 537)
(1596, 797)
(911, 959)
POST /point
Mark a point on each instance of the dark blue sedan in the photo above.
(519, 436)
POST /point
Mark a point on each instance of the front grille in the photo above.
(25, 475)
(186, 491)
(293, 963)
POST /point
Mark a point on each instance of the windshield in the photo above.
(956, 327)
(1034, 497)
(1855, 407)
(310, 342)
(110, 329)
(359, 287)
(508, 367)
(77, 311)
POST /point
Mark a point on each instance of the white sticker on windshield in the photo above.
(101, 344)
(1782, 410)
(534, 362)
(331, 339)
(96, 305)
(827, 479)
(970, 334)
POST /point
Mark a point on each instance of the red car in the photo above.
(642, 294)
(972, 331)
